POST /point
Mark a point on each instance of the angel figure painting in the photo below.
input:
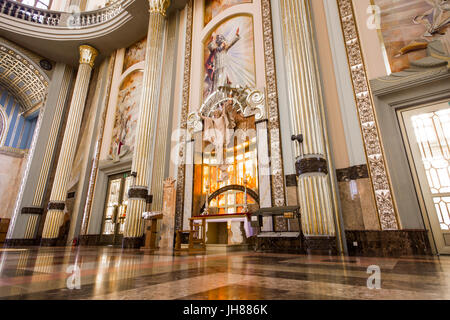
(126, 117)
(229, 55)
(408, 26)
(215, 7)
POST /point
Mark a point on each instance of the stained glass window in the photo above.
(116, 204)
(432, 131)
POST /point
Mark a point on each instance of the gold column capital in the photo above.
(88, 55)
(159, 6)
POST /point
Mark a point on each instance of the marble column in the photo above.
(168, 210)
(35, 210)
(307, 118)
(265, 189)
(55, 213)
(137, 194)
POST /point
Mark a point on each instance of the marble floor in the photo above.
(106, 273)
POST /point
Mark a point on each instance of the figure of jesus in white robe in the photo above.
(219, 132)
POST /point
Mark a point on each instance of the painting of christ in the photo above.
(407, 26)
(126, 117)
(215, 7)
(229, 55)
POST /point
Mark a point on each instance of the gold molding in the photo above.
(184, 115)
(159, 6)
(278, 187)
(88, 55)
(379, 176)
(15, 152)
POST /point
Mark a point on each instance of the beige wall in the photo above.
(371, 41)
(177, 100)
(60, 5)
(11, 170)
(95, 4)
(330, 94)
(63, 5)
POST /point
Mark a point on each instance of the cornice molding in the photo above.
(434, 66)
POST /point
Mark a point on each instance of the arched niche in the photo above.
(245, 156)
(126, 114)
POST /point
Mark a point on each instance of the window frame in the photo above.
(36, 2)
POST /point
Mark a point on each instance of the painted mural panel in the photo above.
(229, 57)
(215, 7)
(134, 54)
(126, 116)
(407, 26)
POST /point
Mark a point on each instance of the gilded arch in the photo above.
(22, 77)
(230, 187)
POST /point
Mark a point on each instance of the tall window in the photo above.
(42, 4)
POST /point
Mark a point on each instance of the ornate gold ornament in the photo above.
(88, 55)
(22, 78)
(184, 116)
(272, 107)
(246, 101)
(367, 118)
(159, 6)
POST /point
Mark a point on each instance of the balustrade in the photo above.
(61, 19)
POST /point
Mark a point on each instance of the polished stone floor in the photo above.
(112, 273)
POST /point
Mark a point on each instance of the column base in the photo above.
(132, 243)
(388, 243)
(89, 240)
(20, 242)
(49, 242)
(320, 245)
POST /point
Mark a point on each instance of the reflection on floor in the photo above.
(113, 273)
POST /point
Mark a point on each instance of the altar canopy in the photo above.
(225, 134)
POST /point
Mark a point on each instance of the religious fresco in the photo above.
(215, 7)
(126, 116)
(134, 54)
(407, 26)
(229, 57)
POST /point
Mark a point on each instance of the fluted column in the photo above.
(133, 229)
(35, 210)
(55, 213)
(306, 108)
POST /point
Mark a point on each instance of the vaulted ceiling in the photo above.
(21, 77)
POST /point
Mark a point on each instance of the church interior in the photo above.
(224, 149)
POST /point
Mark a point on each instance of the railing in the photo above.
(29, 13)
(61, 19)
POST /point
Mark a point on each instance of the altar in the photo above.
(227, 167)
(230, 229)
